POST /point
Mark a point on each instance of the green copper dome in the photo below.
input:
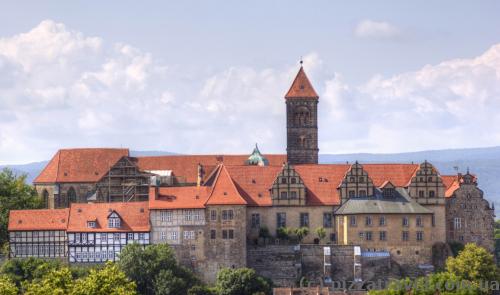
(256, 158)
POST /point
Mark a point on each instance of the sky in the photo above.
(210, 76)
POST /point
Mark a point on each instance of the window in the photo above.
(166, 216)
(130, 236)
(231, 234)
(327, 220)
(213, 215)
(77, 238)
(352, 179)
(224, 234)
(280, 219)
(228, 234)
(227, 215)
(196, 215)
(361, 235)
(388, 192)
(141, 236)
(381, 221)
(362, 193)
(283, 195)
(293, 180)
(283, 180)
(433, 220)
(172, 235)
(457, 223)
(116, 237)
(188, 215)
(333, 237)
(293, 195)
(114, 222)
(352, 194)
(429, 179)
(419, 221)
(304, 219)
(432, 194)
(368, 221)
(368, 235)
(352, 220)
(361, 179)
(213, 234)
(405, 236)
(84, 238)
(255, 220)
(91, 224)
(383, 236)
(406, 221)
(104, 237)
(421, 194)
(189, 235)
(420, 236)
(163, 235)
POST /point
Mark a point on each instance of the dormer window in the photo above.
(388, 192)
(91, 224)
(114, 220)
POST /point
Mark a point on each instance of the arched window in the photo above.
(302, 116)
(71, 196)
(45, 198)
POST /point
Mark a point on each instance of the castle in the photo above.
(216, 209)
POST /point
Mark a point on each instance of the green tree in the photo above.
(7, 287)
(57, 282)
(283, 233)
(154, 266)
(241, 281)
(166, 283)
(321, 233)
(202, 290)
(14, 194)
(301, 233)
(26, 270)
(473, 263)
(108, 281)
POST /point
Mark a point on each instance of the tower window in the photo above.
(432, 194)
(293, 180)
(283, 180)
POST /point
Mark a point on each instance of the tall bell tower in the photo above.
(302, 121)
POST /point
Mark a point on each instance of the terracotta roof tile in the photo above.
(80, 165)
(42, 219)
(301, 87)
(186, 166)
(398, 174)
(183, 197)
(254, 182)
(134, 215)
(451, 184)
(224, 191)
(322, 182)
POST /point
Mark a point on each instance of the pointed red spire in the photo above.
(301, 87)
(224, 191)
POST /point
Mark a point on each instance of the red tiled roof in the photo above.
(183, 197)
(301, 87)
(80, 165)
(134, 215)
(398, 174)
(322, 182)
(187, 166)
(254, 182)
(451, 184)
(43, 219)
(224, 191)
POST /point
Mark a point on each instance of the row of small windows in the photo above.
(189, 215)
(421, 194)
(382, 221)
(361, 179)
(405, 236)
(303, 220)
(284, 180)
(227, 234)
(38, 250)
(88, 238)
(96, 256)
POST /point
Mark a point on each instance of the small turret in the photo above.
(256, 158)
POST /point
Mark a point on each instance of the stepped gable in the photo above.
(183, 197)
(224, 191)
(80, 165)
(399, 175)
(322, 182)
(254, 182)
(40, 219)
(134, 217)
(186, 166)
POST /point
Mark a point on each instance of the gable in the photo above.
(224, 191)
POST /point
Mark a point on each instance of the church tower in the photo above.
(302, 121)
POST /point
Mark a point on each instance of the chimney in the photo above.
(199, 179)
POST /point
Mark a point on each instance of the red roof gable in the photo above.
(80, 165)
(224, 191)
(322, 182)
(254, 182)
(301, 87)
(187, 166)
(398, 174)
(134, 217)
(43, 219)
(183, 197)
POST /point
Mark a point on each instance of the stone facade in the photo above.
(469, 217)
(302, 131)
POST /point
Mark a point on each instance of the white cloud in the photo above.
(376, 29)
(60, 88)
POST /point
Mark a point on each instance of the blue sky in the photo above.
(209, 76)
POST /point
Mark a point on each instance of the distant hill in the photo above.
(483, 162)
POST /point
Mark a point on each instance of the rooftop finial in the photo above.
(301, 61)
